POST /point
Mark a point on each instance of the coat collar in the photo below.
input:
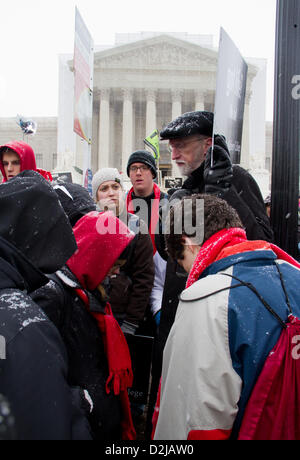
(195, 182)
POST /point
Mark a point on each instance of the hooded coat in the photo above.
(75, 200)
(101, 238)
(27, 159)
(32, 219)
(34, 364)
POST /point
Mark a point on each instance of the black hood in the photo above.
(75, 200)
(33, 220)
(16, 271)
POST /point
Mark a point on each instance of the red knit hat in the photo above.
(101, 238)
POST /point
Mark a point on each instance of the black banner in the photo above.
(230, 95)
(140, 348)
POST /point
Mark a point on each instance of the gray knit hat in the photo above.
(104, 175)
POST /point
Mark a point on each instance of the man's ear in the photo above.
(208, 143)
(191, 246)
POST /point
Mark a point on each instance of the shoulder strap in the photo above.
(254, 290)
(284, 288)
(260, 297)
(210, 294)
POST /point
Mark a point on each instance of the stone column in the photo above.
(150, 112)
(199, 100)
(112, 140)
(127, 127)
(176, 111)
(103, 151)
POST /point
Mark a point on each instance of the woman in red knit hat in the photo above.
(76, 301)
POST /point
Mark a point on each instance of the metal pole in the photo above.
(286, 134)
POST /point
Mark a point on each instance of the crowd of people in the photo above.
(194, 270)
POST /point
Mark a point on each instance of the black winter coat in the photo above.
(33, 371)
(83, 340)
(244, 196)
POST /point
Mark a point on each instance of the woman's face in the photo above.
(110, 196)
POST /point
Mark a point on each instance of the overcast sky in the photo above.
(33, 33)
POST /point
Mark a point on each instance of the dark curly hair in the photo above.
(216, 215)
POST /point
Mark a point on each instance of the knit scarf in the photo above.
(119, 362)
(154, 212)
(227, 243)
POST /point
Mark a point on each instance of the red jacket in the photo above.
(27, 158)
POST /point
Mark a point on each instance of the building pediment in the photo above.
(162, 52)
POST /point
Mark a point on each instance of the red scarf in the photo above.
(154, 211)
(229, 242)
(119, 362)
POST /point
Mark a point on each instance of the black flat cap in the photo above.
(188, 124)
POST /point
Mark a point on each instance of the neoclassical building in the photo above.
(141, 84)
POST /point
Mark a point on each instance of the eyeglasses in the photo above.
(182, 145)
(142, 168)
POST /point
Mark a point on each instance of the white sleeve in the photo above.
(200, 388)
(156, 295)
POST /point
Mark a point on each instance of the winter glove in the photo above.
(157, 318)
(179, 195)
(128, 328)
(217, 178)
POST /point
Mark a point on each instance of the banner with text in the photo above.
(83, 70)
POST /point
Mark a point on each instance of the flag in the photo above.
(153, 142)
